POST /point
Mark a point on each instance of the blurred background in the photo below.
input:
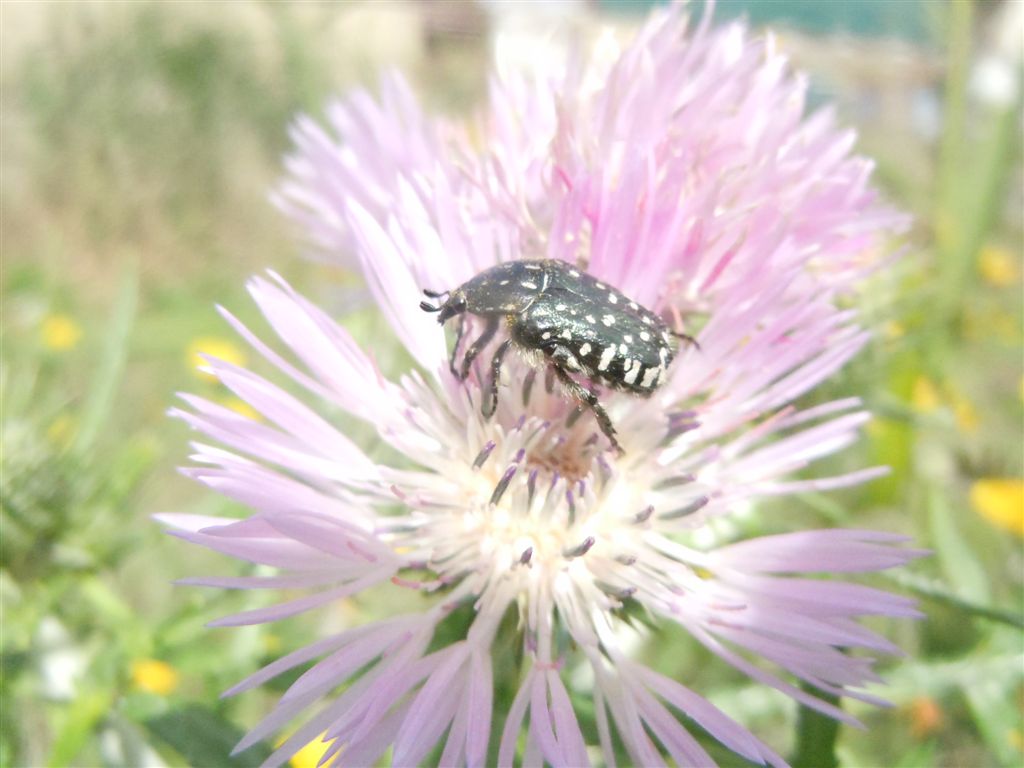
(139, 141)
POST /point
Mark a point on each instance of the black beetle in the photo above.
(561, 316)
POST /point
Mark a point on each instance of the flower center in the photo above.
(559, 437)
(569, 454)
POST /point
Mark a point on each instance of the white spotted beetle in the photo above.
(561, 317)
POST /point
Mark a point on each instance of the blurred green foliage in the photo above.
(139, 143)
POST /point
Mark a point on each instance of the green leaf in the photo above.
(111, 364)
(81, 721)
(918, 756)
(202, 737)
(108, 606)
(993, 703)
(973, 175)
(996, 716)
(941, 679)
(830, 509)
(959, 564)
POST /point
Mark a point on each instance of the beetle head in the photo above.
(453, 303)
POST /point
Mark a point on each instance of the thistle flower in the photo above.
(682, 172)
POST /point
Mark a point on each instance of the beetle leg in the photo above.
(531, 376)
(490, 406)
(455, 349)
(687, 338)
(477, 347)
(561, 355)
(583, 254)
(677, 318)
(573, 417)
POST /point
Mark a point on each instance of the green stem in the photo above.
(953, 260)
(816, 735)
(936, 591)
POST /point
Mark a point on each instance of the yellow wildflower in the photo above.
(310, 755)
(61, 430)
(878, 427)
(894, 329)
(1016, 739)
(241, 407)
(1001, 502)
(60, 333)
(965, 413)
(212, 346)
(925, 396)
(998, 266)
(154, 676)
(1005, 327)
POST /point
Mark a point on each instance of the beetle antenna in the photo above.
(429, 307)
(687, 338)
(434, 294)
